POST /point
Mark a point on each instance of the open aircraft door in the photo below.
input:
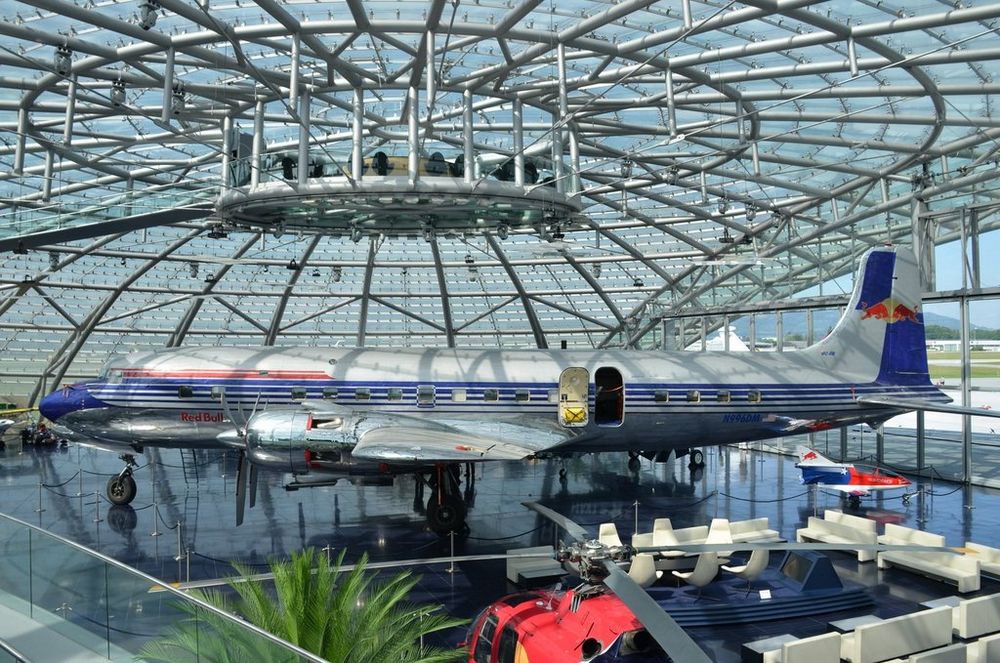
(573, 385)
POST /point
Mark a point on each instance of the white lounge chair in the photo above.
(753, 568)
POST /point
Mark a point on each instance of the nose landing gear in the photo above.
(121, 488)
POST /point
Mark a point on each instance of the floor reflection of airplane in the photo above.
(339, 412)
(817, 470)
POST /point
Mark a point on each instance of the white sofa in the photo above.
(755, 530)
(984, 650)
(823, 648)
(960, 569)
(838, 527)
(898, 636)
(978, 616)
(956, 653)
(989, 558)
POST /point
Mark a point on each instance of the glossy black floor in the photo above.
(196, 489)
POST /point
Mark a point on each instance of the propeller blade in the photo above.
(573, 529)
(677, 644)
(253, 485)
(241, 488)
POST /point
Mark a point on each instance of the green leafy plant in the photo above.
(342, 616)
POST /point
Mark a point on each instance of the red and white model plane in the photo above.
(819, 470)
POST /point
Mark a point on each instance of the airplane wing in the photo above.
(415, 444)
(929, 406)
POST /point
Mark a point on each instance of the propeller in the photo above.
(246, 473)
(677, 644)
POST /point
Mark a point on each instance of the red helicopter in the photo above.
(607, 618)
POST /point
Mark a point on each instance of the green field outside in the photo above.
(945, 365)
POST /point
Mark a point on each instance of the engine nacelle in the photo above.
(301, 442)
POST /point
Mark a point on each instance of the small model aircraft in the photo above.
(817, 470)
(363, 413)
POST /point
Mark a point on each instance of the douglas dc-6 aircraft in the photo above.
(341, 412)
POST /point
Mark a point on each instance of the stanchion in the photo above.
(451, 565)
(97, 506)
(79, 489)
(39, 509)
(180, 555)
(156, 513)
(636, 505)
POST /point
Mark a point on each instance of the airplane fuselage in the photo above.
(634, 400)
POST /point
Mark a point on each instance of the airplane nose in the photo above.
(68, 399)
(55, 405)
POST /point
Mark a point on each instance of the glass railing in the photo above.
(109, 609)
(58, 216)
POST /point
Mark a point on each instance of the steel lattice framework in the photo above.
(721, 153)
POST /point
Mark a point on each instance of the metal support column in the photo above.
(467, 135)
(413, 134)
(258, 142)
(357, 146)
(227, 150)
(974, 240)
(70, 112)
(671, 106)
(518, 117)
(304, 137)
(47, 177)
(963, 306)
(168, 86)
(843, 444)
(563, 133)
(923, 243)
(293, 77)
(22, 134)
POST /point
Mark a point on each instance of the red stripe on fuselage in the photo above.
(227, 373)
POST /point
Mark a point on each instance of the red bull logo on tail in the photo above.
(891, 311)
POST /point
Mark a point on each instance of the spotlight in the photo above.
(336, 273)
(292, 265)
(315, 272)
(356, 234)
(147, 14)
(557, 233)
(638, 282)
(53, 260)
(194, 269)
(596, 270)
(118, 93)
(63, 61)
(428, 232)
(123, 262)
(469, 259)
(503, 231)
(751, 213)
(217, 232)
(723, 206)
(177, 101)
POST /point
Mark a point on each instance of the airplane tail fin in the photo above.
(883, 325)
(809, 456)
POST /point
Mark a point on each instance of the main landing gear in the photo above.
(121, 487)
(445, 508)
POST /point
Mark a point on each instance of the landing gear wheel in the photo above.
(697, 458)
(121, 489)
(446, 516)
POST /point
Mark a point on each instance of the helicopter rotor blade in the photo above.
(253, 485)
(677, 644)
(572, 528)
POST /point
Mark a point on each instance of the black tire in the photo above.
(121, 489)
(697, 457)
(448, 516)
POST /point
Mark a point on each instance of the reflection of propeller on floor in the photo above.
(677, 644)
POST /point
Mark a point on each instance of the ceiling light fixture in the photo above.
(147, 14)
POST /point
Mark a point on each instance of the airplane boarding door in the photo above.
(609, 397)
(573, 385)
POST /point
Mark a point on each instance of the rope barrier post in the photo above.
(636, 530)
(39, 509)
(79, 489)
(180, 555)
(156, 513)
(328, 549)
(97, 506)
(451, 564)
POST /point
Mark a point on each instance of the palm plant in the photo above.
(342, 616)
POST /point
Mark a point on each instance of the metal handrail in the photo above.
(7, 647)
(186, 597)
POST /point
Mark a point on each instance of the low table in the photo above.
(944, 601)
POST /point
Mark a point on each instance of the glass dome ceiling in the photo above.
(718, 154)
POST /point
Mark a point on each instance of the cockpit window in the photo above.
(507, 648)
(484, 645)
(114, 376)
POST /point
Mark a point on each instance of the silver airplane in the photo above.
(339, 412)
